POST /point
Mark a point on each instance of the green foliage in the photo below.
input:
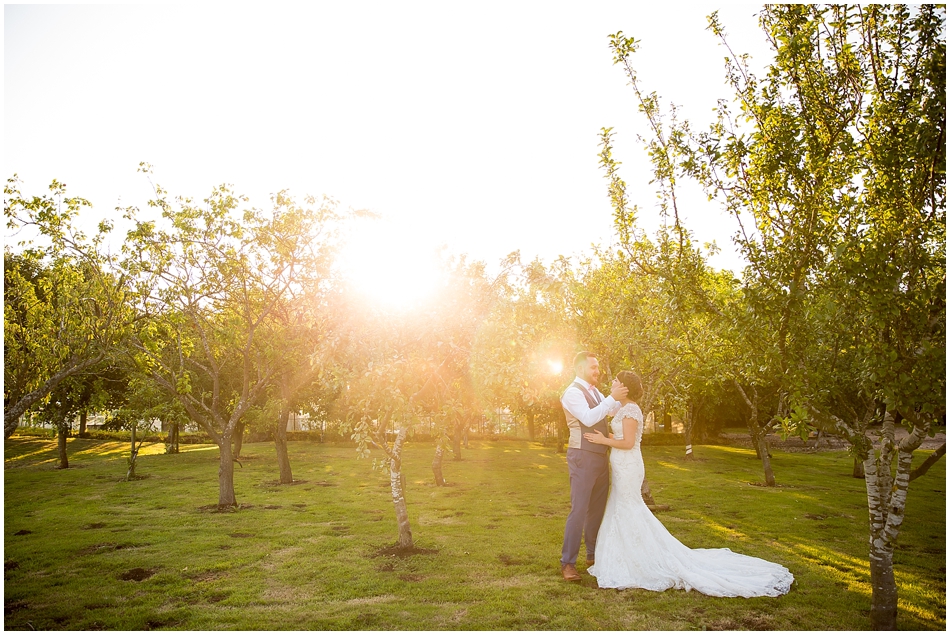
(213, 286)
(838, 155)
(65, 309)
(525, 345)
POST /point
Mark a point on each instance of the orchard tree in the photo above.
(666, 303)
(209, 281)
(838, 158)
(59, 410)
(65, 308)
(382, 373)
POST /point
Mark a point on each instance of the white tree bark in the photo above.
(887, 498)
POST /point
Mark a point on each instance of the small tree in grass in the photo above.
(381, 418)
(378, 369)
(61, 406)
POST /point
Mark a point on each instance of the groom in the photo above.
(586, 409)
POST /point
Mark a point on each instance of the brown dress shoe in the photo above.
(590, 561)
(570, 573)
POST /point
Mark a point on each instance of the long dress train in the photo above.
(634, 549)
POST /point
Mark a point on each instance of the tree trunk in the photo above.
(763, 450)
(688, 431)
(561, 425)
(457, 440)
(280, 441)
(238, 439)
(758, 433)
(171, 440)
(132, 456)
(857, 471)
(646, 494)
(754, 435)
(61, 445)
(397, 486)
(82, 423)
(887, 498)
(226, 496)
(437, 465)
(883, 591)
(530, 420)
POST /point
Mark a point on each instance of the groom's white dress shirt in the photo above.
(578, 412)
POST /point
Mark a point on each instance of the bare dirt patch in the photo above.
(95, 526)
(411, 577)
(22, 532)
(224, 509)
(395, 551)
(747, 622)
(137, 574)
(10, 565)
(11, 606)
(509, 561)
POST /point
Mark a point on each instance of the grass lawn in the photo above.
(304, 556)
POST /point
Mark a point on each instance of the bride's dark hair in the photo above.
(633, 383)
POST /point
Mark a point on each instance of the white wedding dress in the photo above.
(634, 550)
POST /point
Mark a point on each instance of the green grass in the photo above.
(303, 556)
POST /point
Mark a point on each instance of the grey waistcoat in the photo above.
(600, 425)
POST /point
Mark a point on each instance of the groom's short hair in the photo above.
(581, 358)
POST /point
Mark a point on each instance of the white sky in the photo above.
(468, 125)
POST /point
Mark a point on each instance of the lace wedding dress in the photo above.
(634, 550)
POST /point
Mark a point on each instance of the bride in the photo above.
(634, 550)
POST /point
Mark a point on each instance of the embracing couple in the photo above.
(627, 547)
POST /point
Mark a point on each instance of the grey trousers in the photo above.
(590, 478)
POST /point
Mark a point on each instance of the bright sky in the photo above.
(468, 125)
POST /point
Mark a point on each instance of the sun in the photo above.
(389, 266)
